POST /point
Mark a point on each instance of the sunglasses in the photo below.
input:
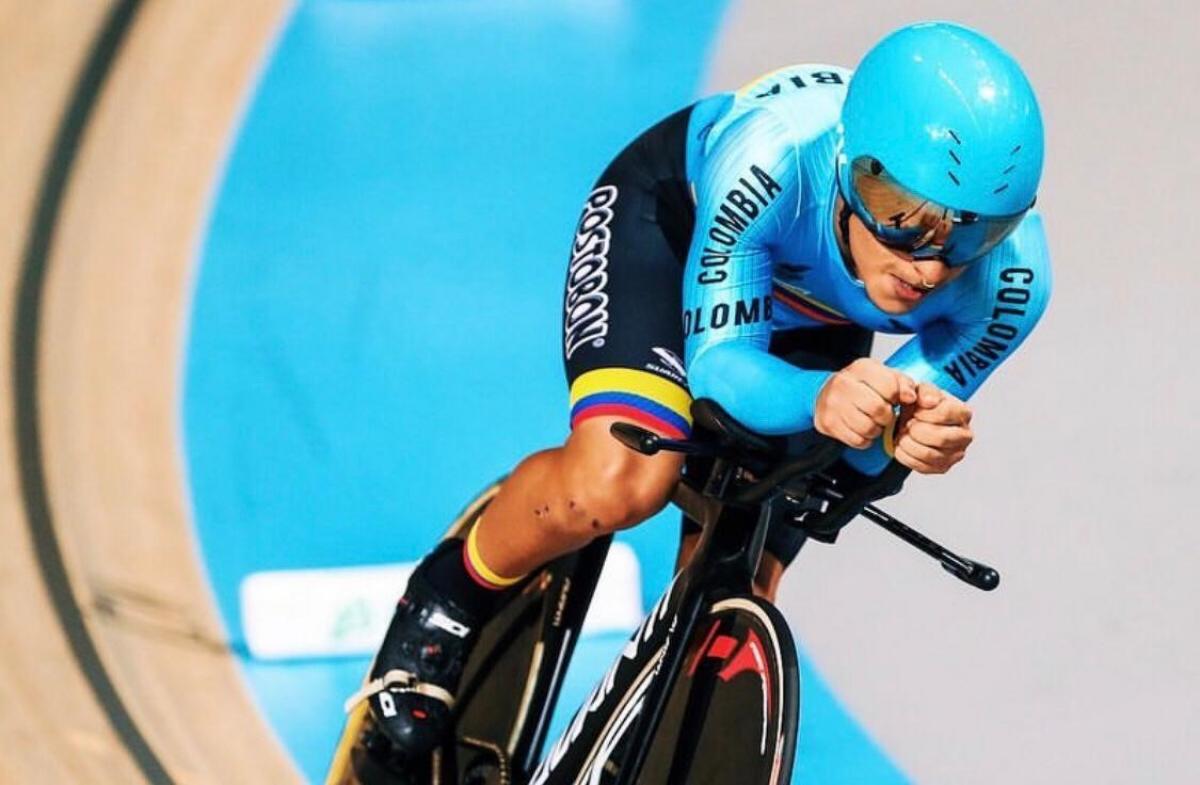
(907, 222)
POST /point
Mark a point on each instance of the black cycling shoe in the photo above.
(412, 683)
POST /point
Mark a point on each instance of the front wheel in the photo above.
(732, 714)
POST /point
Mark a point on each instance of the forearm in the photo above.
(764, 393)
(769, 395)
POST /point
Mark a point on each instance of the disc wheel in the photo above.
(731, 717)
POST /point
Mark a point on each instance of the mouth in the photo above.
(906, 291)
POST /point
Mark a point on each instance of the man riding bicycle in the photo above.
(745, 249)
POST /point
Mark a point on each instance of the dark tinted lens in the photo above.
(969, 241)
(910, 223)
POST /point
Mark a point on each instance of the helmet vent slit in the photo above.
(955, 157)
(1009, 169)
(1015, 150)
(954, 136)
(1001, 188)
(952, 177)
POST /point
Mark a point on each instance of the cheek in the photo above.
(871, 258)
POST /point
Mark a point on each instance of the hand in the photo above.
(935, 433)
(855, 405)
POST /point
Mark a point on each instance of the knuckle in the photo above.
(880, 411)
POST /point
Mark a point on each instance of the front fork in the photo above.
(729, 550)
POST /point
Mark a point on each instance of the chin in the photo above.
(889, 304)
(895, 309)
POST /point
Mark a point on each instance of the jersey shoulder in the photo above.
(774, 117)
(807, 97)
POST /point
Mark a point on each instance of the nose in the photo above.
(930, 270)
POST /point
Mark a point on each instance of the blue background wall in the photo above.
(375, 330)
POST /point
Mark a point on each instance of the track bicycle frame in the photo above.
(735, 509)
(751, 484)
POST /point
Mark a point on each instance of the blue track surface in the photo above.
(375, 327)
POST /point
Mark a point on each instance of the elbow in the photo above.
(705, 377)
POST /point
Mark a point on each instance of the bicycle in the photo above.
(679, 703)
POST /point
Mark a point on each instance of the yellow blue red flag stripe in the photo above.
(643, 397)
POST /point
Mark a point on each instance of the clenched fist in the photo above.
(934, 433)
(857, 402)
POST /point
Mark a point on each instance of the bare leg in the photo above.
(558, 500)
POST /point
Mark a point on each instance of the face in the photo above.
(895, 283)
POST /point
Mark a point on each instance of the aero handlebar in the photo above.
(736, 444)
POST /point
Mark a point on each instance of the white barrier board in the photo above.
(344, 611)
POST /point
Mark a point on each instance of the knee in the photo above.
(615, 490)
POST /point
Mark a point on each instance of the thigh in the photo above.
(622, 334)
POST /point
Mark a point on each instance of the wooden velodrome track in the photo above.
(114, 668)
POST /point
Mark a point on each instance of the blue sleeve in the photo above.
(746, 197)
(987, 314)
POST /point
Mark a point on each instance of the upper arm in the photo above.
(746, 196)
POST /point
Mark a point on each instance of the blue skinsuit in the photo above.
(765, 257)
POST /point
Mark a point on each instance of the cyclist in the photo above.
(746, 249)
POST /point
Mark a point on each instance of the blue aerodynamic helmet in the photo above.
(942, 142)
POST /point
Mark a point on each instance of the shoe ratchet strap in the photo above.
(398, 681)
